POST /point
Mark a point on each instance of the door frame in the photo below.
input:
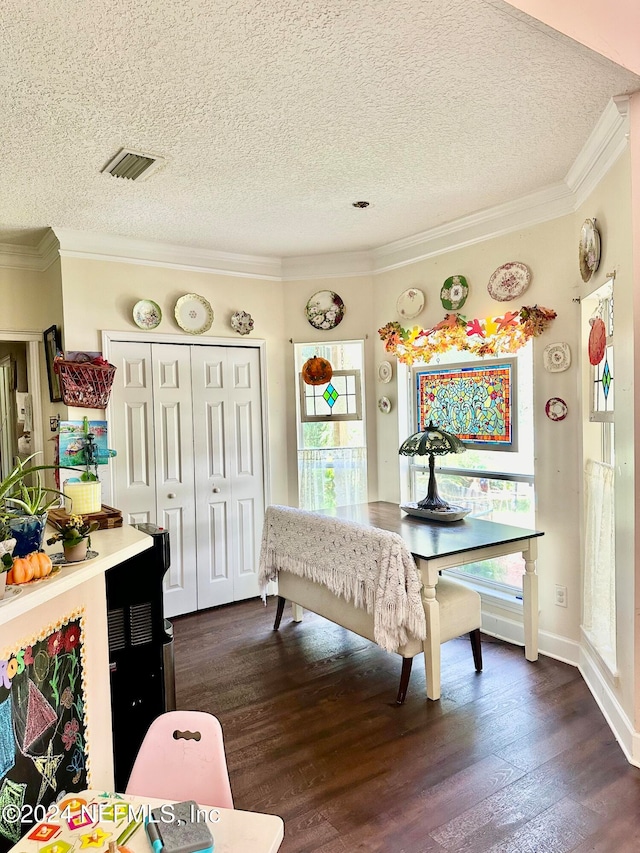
(165, 338)
(33, 341)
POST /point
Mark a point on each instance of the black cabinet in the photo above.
(137, 648)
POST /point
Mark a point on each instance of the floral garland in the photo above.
(491, 336)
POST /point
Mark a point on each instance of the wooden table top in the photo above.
(429, 539)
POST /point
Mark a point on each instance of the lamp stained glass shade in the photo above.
(476, 402)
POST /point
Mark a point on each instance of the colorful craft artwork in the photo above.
(482, 337)
(44, 832)
(56, 847)
(43, 748)
(473, 402)
(96, 838)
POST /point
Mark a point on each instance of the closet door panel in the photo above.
(173, 428)
(131, 432)
(213, 487)
(246, 468)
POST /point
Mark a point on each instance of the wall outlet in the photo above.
(561, 595)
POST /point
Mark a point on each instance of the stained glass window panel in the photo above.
(339, 399)
(476, 402)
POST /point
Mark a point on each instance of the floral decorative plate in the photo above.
(242, 323)
(509, 281)
(325, 310)
(384, 404)
(556, 357)
(385, 371)
(147, 314)
(410, 303)
(454, 292)
(589, 249)
(193, 314)
(556, 409)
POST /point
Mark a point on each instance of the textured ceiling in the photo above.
(274, 116)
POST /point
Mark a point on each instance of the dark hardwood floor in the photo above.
(516, 759)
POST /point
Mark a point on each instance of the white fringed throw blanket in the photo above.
(369, 567)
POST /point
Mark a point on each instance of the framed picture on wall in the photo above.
(51, 349)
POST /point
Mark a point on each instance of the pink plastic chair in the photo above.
(182, 758)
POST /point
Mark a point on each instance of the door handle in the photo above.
(215, 489)
(171, 495)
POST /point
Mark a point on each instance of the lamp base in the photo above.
(451, 513)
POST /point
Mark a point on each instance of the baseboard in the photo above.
(614, 714)
(501, 626)
(510, 630)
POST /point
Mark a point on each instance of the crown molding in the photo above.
(606, 143)
(532, 209)
(38, 258)
(336, 265)
(110, 247)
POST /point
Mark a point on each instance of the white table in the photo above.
(233, 831)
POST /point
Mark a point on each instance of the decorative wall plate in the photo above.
(325, 310)
(147, 314)
(410, 303)
(193, 314)
(454, 292)
(509, 281)
(589, 249)
(557, 357)
(597, 340)
(384, 404)
(556, 409)
(385, 371)
(242, 323)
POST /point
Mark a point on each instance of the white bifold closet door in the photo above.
(187, 423)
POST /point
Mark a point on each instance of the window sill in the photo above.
(507, 600)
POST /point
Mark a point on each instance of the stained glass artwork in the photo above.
(476, 402)
(330, 395)
(602, 372)
(338, 400)
(603, 387)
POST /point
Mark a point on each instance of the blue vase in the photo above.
(28, 531)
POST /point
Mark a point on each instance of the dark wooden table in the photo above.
(438, 545)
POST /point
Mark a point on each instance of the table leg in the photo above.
(530, 601)
(431, 645)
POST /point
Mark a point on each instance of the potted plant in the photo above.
(24, 503)
(26, 506)
(75, 534)
(7, 544)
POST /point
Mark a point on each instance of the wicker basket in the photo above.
(85, 385)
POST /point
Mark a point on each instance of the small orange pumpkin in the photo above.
(41, 563)
(21, 571)
(32, 567)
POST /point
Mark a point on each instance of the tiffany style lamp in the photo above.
(433, 442)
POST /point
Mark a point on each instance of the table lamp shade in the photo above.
(432, 442)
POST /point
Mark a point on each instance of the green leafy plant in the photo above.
(71, 531)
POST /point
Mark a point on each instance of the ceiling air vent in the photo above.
(132, 165)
